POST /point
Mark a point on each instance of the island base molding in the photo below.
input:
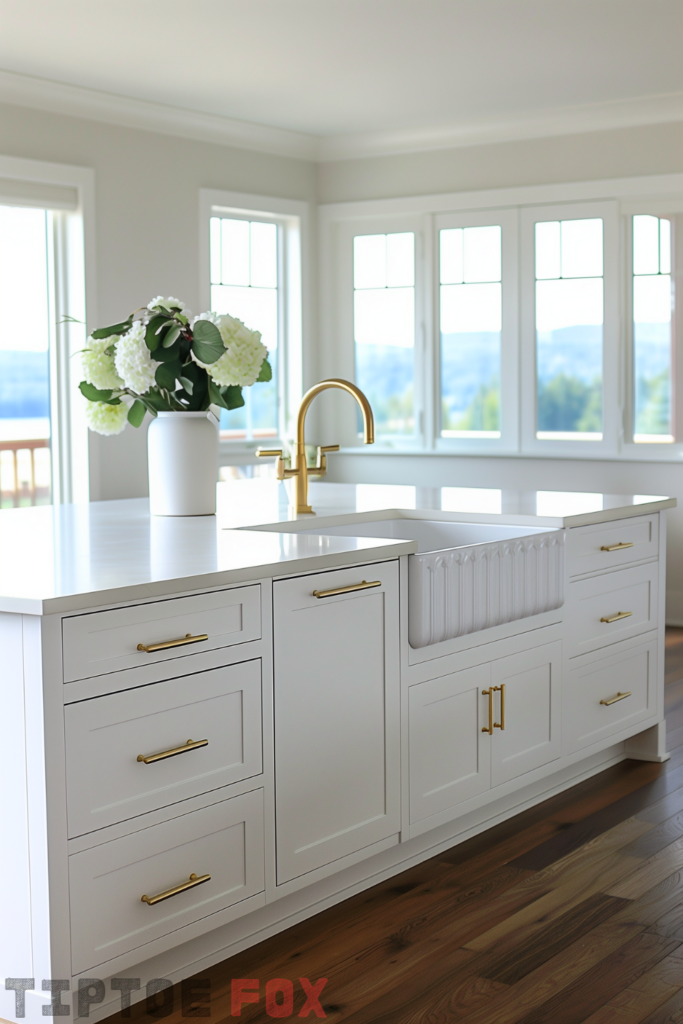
(203, 952)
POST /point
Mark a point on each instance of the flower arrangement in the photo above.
(165, 361)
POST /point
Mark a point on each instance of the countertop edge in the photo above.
(143, 592)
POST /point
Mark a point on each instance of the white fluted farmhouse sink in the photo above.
(470, 576)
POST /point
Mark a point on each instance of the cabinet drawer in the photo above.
(586, 545)
(605, 597)
(630, 669)
(106, 883)
(101, 642)
(105, 736)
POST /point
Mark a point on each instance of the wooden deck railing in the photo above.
(19, 484)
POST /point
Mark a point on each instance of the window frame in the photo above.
(550, 447)
(292, 219)
(340, 418)
(508, 442)
(72, 293)
(656, 194)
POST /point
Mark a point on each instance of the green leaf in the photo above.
(265, 373)
(94, 394)
(105, 332)
(136, 413)
(151, 334)
(168, 355)
(207, 344)
(233, 396)
(187, 384)
(171, 336)
(167, 374)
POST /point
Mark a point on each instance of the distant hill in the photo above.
(24, 385)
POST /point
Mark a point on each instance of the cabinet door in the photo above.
(531, 702)
(336, 715)
(450, 756)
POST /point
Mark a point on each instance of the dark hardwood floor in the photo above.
(572, 911)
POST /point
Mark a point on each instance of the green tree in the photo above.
(566, 403)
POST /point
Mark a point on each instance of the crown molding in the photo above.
(76, 101)
(73, 100)
(592, 117)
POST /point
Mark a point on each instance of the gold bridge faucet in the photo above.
(300, 469)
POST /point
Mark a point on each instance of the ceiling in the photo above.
(418, 72)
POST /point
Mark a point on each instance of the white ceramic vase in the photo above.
(182, 456)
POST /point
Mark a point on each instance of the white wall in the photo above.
(147, 230)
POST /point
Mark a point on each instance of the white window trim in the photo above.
(73, 257)
(294, 217)
(508, 442)
(648, 194)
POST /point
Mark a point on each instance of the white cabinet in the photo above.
(529, 708)
(130, 752)
(449, 754)
(336, 662)
(482, 727)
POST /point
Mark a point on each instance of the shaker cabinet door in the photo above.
(450, 755)
(529, 710)
(336, 715)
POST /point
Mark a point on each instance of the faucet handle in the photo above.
(320, 468)
(267, 453)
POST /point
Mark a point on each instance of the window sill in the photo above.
(629, 453)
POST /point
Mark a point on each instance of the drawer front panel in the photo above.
(105, 736)
(585, 719)
(102, 642)
(108, 917)
(606, 597)
(586, 544)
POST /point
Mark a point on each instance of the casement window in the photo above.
(43, 439)
(251, 268)
(538, 321)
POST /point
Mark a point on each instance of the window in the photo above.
(653, 350)
(569, 325)
(25, 470)
(470, 304)
(384, 327)
(253, 264)
(532, 321)
(245, 283)
(45, 246)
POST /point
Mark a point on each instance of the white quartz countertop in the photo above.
(56, 559)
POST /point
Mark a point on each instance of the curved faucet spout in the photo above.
(344, 385)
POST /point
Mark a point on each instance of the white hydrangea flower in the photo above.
(106, 419)
(134, 361)
(245, 353)
(166, 303)
(98, 367)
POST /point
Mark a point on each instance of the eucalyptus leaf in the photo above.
(105, 332)
(171, 336)
(187, 384)
(265, 373)
(233, 396)
(167, 374)
(94, 394)
(207, 344)
(168, 355)
(136, 413)
(152, 332)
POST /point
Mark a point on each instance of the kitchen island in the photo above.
(216, 727)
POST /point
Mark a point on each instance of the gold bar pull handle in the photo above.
(364, 585)
(501, 724)
(615, 618)
(182, 641)
(173, 752)
(619, 696)
(320, 468)
(489, 728)
(192, 881)
(616, 547)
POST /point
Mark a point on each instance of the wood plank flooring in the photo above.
(570, 912)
